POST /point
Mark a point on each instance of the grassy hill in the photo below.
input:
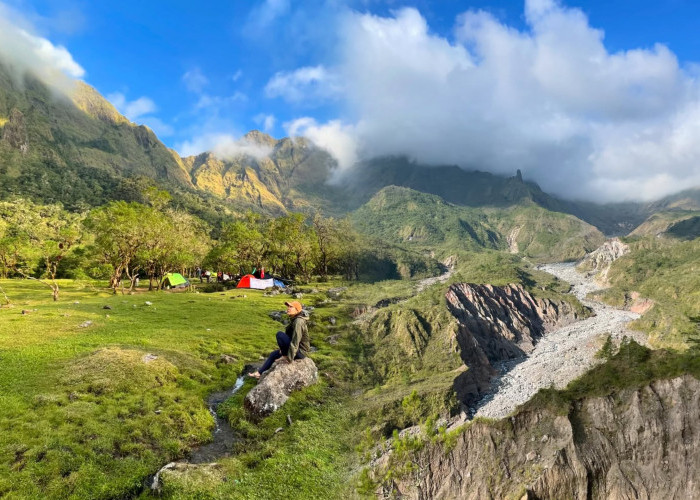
(673, 223)
(419, 220)
(667, 271)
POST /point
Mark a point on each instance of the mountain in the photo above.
(79, 150)
(403, 215)
(73, 149)
(272, 175)
(675, 223)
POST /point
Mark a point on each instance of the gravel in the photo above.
(561, 355)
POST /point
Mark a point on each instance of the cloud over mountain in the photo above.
(550, 100)
(24, 51)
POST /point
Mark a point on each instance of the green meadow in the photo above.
(95, 400)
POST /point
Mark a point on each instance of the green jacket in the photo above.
(298, 331)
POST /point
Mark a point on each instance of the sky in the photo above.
(596, 100)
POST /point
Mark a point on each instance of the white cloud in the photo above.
(140, 110)
(336, 138)
(26, 52)
(195, 81)
(223, 146)
(135, 109)
(308, 83)
(158, 126)
(551, 100)
(237, 75)
(216, 102)
(267, 122)
(266, 13)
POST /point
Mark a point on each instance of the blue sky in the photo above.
(202, 74)
(144, 48)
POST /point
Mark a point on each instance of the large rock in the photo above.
(276, 384)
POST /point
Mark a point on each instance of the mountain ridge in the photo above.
(77, 151)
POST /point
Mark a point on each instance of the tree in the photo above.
(241, 247)
(32, 236)
(293, 245)
(177, 240)
(59, 232)
(121, 232)
(337, 245)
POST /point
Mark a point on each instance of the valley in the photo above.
(562, 354)
(472, 336)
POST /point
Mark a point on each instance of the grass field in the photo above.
(90, 410)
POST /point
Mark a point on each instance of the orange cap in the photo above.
(294, 304)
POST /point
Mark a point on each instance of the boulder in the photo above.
(276, 384)
(173, 475)
(226, 359)
(335, 293)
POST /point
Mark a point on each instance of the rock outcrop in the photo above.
(498, 323)
(15, 131)
(276, 384)
(598, 261)
(638, 443)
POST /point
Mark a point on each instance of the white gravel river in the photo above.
(561, 355)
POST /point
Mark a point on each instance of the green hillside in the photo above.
(667, 271)
(674, 223)
(73, 149)
(419, 220)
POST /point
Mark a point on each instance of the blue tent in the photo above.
(279, 283)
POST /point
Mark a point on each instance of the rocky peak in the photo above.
(259, 138)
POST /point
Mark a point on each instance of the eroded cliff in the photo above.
(497, 324)
(635, 443)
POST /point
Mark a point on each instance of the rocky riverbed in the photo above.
(562, 354)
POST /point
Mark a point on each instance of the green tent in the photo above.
(174, 280)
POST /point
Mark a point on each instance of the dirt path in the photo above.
(561, 355)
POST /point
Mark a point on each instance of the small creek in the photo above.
(223, 436)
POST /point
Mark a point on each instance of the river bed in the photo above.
(561, 355)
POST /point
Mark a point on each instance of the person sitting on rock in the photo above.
(293, 342)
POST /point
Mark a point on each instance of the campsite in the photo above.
(349, 249)
(104, 388)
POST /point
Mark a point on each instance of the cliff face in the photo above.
(497, 324)
(634, 444)
(598, 262)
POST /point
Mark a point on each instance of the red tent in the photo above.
(250, 281)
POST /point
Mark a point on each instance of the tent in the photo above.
(175, 280)
(279, 284)
(250, 281)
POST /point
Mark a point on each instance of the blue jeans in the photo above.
(283, 341)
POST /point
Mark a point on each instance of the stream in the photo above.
(223, 436)
(562, 354)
